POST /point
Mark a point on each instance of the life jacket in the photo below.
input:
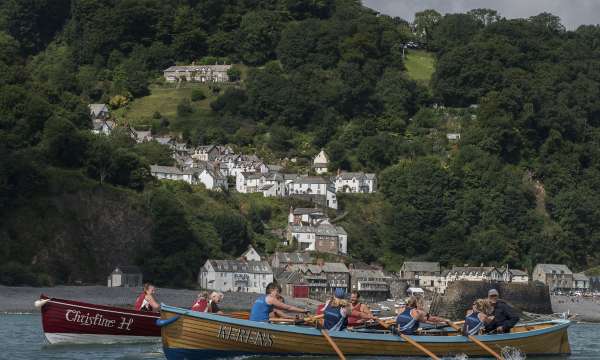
(200, 305)
(260, 310)
(473, 324)
(334, 319)
(407, 324)
(139, 302)
(353, 320)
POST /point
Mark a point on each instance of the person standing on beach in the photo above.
(146, 301)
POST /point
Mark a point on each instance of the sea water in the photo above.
(21, 338)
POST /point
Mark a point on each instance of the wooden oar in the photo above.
(409, 340)
(478, 342)
(339, 352)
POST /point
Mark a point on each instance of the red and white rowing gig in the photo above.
(66, 321)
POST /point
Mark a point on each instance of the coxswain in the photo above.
(265, 304)
(201, 302)
(478, 317)
(146, 301)
(412, 314)
(337, 312)
(213, 304)
(360, 311)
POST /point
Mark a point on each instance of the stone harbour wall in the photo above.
(460, 295)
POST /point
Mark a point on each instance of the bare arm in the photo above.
(283, 306)
(153, 303)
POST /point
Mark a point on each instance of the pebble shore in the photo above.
(21, 299)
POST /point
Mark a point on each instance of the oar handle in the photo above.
(478, 342)
(332, 343)
(409, 340)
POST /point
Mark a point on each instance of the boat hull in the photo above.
(201, 336)
(66, 321)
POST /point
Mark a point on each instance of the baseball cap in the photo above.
(493, 292)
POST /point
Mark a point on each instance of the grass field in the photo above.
(420, 65)
(163, 100)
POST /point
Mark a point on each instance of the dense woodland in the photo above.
(520, 187)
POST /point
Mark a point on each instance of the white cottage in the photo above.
(314, 185)
(321, 162)
(355, 182)
(235, 275)
(212, 179)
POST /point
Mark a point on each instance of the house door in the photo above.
(300, 291)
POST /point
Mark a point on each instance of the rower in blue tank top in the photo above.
(265, 304)
(477, 318)
(336, 312)
(409, 318)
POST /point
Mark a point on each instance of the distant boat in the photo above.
(67, 321)
(192, 335)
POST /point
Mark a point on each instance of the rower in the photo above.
(264, 305)
(146, 301)
(279, 314)
(477, 318)
(409, 317)
(201, 302)
(358, 309)
(338, 310)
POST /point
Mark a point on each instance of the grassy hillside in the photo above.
(420, 65)
(163, 99)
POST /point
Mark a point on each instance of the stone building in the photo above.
(198, 73)
(235, 275)
(556, 276)
(372, 284)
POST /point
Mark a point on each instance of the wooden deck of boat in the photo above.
(214, 333)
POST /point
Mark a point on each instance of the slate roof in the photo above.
(293, 257)
(170, 170)
(421, 266)
(252, 267)
(517, 272)
(311, 180)
(198, 68)
(557, 268)
(580, 277)
(96, 109)
(321, 229)
(366, 273)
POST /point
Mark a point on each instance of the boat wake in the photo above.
(512, 353)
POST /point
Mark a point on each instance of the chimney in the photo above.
(339, 172)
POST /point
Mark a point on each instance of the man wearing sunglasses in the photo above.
(505, 316)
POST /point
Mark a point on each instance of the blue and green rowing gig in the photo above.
(192, 335)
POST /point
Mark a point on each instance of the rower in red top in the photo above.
(201, 302)
(146, 301)
(360, 312)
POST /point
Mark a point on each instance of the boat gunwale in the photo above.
(558, 325)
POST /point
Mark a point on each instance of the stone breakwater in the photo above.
(21, 299)
(583, 309)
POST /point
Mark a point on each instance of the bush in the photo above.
(197, 95)
(13, 273)
(184, 108)
(234, 74)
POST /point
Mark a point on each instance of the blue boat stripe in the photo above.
(559, 325)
